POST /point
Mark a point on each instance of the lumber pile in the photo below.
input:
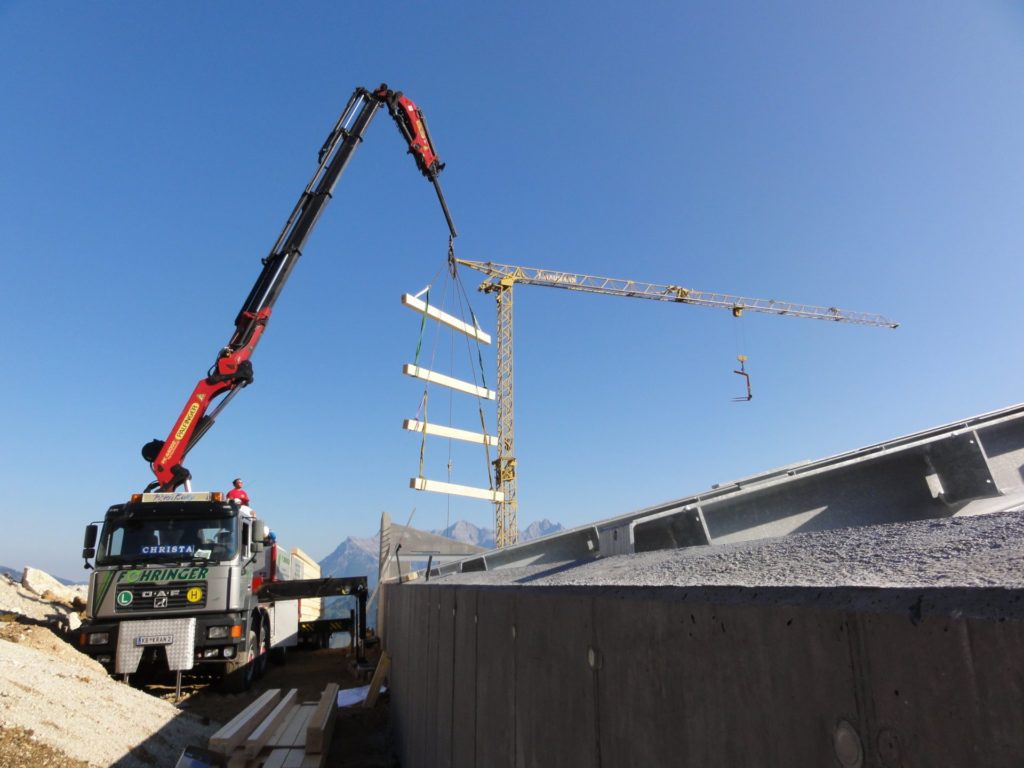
(277, 731)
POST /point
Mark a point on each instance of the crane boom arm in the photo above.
(506, 274)
(232, 369)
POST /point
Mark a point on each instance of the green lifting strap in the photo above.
(423, 325)
(479, 354)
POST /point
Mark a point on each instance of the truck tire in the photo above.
(240, 672)
(263, 652)
(279, 655)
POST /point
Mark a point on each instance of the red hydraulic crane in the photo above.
(232, 369)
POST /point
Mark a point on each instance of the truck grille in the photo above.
(136, 598)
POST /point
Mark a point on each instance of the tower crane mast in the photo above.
(500, 280)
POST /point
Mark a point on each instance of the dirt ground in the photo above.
(19, 747)
(360, 737)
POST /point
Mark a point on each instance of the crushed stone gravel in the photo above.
(985, 551)
(69, 704)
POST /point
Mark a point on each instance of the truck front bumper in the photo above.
(186, 641)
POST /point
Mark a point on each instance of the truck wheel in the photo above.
(279, 655)
(241, 671)
(263, 652)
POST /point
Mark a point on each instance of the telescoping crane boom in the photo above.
(500, 280)
(232, 369)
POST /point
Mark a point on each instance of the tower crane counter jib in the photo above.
(232, 369)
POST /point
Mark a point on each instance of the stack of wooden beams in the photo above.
(276, 731)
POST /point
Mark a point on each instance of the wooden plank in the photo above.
(383, 665)
(258, 738)
(295, 734)
(434, 377)
(321, 722)
(422, 484)
(444, 318)
(277, 758)
(278, 737)
(456, 434)
(240, 726)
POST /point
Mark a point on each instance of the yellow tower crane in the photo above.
(500, 280)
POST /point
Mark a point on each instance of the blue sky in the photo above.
(865, 156)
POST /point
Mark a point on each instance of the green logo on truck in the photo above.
(162, 575)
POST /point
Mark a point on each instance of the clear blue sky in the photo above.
(861, 155)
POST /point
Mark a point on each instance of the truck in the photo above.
(176, 586)
(183, 578)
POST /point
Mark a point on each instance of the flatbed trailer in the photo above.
(317, 633)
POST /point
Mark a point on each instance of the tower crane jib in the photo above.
(500, 280)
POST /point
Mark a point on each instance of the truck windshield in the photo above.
(151, 539)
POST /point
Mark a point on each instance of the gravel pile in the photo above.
(59, 707)
(969, 552)
(986, 551)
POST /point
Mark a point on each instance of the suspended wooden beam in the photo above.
(446, 381)
(456, 434)
(444, 318)
(422, 484)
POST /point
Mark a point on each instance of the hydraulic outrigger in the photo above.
(232, 370)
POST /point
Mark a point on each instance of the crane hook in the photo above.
(743, 372)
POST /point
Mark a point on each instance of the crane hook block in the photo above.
(743, 372)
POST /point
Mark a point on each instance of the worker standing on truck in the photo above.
(238, 492)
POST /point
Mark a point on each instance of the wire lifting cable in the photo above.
(463, 298)
(460, 298)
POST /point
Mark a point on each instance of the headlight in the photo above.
(217, 633)
(99, 638)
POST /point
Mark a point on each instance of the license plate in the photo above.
(154, 640)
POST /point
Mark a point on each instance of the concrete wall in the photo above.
(498, 662)
(604, 676)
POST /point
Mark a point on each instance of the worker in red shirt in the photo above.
(238, 492)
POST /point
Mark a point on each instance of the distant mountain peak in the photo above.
(358, 556)
(539, 528)
(465, 531)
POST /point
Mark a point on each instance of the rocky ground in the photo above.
(60, 708)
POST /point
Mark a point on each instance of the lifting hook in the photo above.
(743, 372)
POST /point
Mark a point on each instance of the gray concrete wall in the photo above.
(615, 676)
(1004, 446)
(953, 469)
(903, 647)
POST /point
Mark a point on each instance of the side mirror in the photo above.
(89, 543)
(257, 536)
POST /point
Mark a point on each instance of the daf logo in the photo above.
(159, 594)
(160, 602)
